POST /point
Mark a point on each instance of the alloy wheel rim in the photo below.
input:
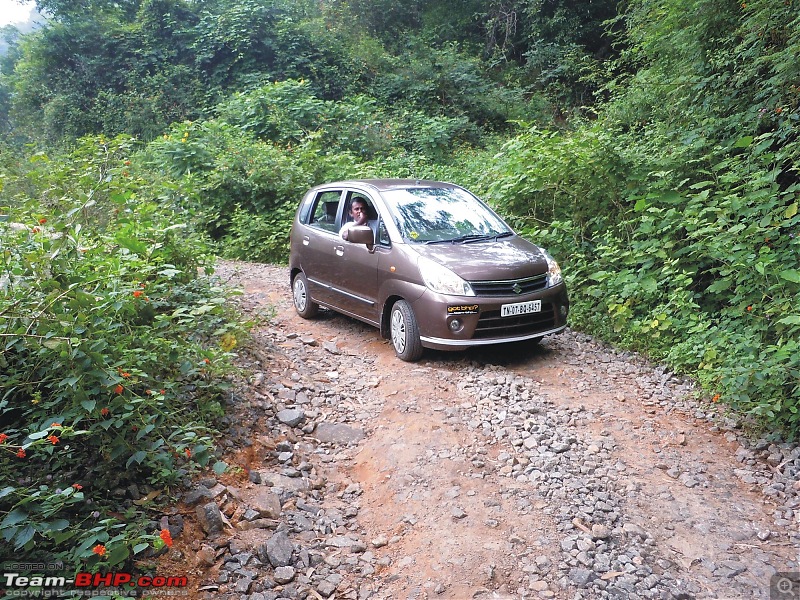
(398, 331)
(299, 295)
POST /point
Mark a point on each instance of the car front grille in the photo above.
(491, 324)
(510, 287)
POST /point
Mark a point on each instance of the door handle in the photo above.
(306, 240)
(339, 250)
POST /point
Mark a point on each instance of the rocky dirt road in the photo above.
(568, 470)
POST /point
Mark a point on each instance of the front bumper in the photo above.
(479, 321)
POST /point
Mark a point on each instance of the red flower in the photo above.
(166, 536)
(119, 389)
(187, 452)
(35, 230)
(56, 425)
(100, 550)
(749, 308)
(53, 439)
(137, 293)
(21, 453)
(42, 221)
(104, 411)
(3, 437)
(77, 486)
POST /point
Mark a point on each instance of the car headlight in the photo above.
(554, 276)
(442, 280)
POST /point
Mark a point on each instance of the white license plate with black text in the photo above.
(520, 308)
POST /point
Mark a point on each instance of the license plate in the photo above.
(520, 308)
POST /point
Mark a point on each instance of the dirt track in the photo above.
(564, 471)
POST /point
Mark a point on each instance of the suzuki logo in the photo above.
(517, 288)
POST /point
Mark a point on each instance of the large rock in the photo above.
(337, 433)
(210, 518)
(277, 550)
(266, 503)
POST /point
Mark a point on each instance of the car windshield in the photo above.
(443, 215)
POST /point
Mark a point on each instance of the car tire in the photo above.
(404, 332)
(303, 303)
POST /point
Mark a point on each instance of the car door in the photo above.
(356, 271)
(320, 241)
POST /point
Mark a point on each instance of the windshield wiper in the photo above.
(472, 237)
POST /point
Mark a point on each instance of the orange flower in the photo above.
(125, 375)
(35, 230)
(166, 536)
(119, 389)
(3, 437)
(207, 361)
(104, 411)
(100, 550)
(137, 293)
(42, 221)
(716, 398)
(21, 453)
(187, 452)
(55, 425)
(53, 439)
(162, 392)
(749, 308)
(77, 486)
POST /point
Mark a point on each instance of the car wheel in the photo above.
(303, 303)
(405, 332)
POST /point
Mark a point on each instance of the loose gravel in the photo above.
(602, 475)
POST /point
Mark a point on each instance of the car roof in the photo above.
(389, 184)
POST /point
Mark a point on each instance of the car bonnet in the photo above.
(490, 260)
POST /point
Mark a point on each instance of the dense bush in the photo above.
(114, 354)
(701, 274)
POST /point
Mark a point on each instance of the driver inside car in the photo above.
(359, 213)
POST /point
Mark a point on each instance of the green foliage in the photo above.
(701, 274)
(114, 352)
(546, 176)
(225, 169)
(259, 238)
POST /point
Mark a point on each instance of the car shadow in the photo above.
(505, 355)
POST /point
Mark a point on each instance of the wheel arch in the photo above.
(293, 273)
(386, 313)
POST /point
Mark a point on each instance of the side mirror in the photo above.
(362, 234)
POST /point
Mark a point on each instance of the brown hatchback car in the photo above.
(431, 266)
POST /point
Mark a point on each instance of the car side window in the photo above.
(373, 218)
(372, 214)
(326, 207)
